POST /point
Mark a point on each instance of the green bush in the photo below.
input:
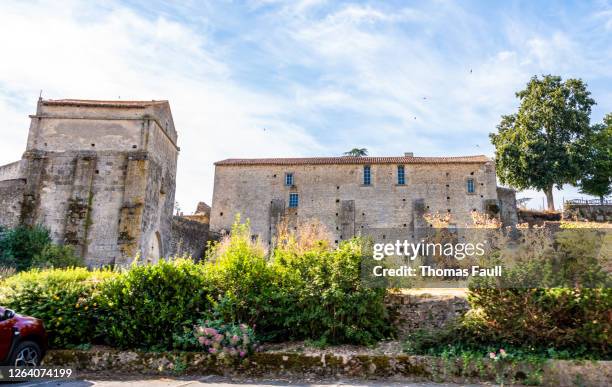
(569, 310)
(329, 302)
(19, 246)
(246, 286)
(311, 293)
(57, 256)
(26, 247)
(62, 298)
(143, 306)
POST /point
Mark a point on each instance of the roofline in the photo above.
(351, 160)
(103, 103)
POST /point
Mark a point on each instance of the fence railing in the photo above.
(590, 202)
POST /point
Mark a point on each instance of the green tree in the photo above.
(542, 145)
(597, 178)
(357, 152)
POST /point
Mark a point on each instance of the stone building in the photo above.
(353, 195)
(100, 175)
(190, 233)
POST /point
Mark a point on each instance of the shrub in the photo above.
(307, 291)
(247, 288)
(57, 256)
(141, 307)
(569, 308)
(330, 303)
(25, 247)
(62, 298)
(19, 246)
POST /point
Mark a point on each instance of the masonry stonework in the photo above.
(100, 175)
(332, 191)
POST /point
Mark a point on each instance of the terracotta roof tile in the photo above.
(100, 103)
(478, 159)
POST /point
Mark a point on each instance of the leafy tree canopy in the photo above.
(357, 152)
(597, 179)
(542, 145)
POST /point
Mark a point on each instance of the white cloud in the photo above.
(67, 54)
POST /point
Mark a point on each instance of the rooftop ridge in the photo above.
(102, 103)
(475, 159)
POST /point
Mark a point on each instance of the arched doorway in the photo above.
(154, 248)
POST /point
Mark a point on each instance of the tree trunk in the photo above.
(601, 199)
(550, 201)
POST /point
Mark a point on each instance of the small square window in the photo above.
(367, 176)
(470, 186)
(293, 200)
(289, 179)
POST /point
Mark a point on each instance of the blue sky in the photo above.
(320, 77)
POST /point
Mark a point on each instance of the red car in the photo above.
(23, 340)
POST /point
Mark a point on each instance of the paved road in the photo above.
(217, 381)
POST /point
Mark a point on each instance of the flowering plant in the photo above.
(226, 340)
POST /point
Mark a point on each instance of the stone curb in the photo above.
(325, 365)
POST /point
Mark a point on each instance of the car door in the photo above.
(6, 335)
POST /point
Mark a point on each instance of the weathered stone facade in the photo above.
(332, 190)
(189, 237)
(100, 175)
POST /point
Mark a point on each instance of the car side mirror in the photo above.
(8, 314)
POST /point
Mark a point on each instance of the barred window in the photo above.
(401, 175)
(289, 179)
(367, 177)
(293, 200)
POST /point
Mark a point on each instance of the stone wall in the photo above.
(11, 195)
(11, 171)
(533, 217)
(588, 212)
(507, 204)
(189, 237)
(335, 195)
(410, 312)
(331, 364)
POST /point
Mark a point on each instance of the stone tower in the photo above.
(100, 175)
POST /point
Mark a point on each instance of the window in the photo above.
(367, 177)
(470, 185)
(293, 200)
(289, 179)
(401, 176)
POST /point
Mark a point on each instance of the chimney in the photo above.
(408, 154)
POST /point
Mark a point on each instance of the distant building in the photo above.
(100, 175)
(353, 195)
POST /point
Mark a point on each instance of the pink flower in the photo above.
(502, 352)
(210, 331)
(492, 355)
(212, 350)
(218, 338)
(202, 340)
(235, 339)
(242, 353)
